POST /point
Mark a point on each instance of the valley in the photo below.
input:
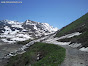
(16, 38)
(5, 49)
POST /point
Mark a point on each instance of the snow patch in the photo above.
(5, 40)
(74, 45)
(7, 30)
(18, 39)
(23, 35)
(14, 31)
(53, 41)
(17, 26)
(84, 49)
(69, 35)
(35, 27)
(49, 28)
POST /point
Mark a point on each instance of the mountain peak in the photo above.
(28, 20)
(17, 31)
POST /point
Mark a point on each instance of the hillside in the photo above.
(39, 54)
(13, 31)
(80, 25)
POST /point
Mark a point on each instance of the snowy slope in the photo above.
(13, 31)
(81, 27)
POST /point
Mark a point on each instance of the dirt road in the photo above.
(75, 57)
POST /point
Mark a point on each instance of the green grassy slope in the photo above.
(50, 55)
(75, 26)
(80, 25)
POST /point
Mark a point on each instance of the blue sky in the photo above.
(57, 13)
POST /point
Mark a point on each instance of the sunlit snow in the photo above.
(84, 49)
(69, 35)
(15, 31)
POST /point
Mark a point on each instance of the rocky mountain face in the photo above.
(79, 26)
(13, 31)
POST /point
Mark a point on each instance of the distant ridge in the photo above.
(13, 31)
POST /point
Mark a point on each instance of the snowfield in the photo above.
(53, 40)
(74, 45)
(69, 35)
(84, 49)
(13, 31)
(15, 37)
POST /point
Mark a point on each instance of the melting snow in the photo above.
(74, 45)
(5, 40)
(49, 28)
(84, 49)
(53, 41)
(7, 36)
(23, 35)
(12, 34)
(7, 30)
(18, 39)
(17, 26)
(35, 27)
(69, 35)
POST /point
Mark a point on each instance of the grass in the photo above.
(83, 39)
(50, 55)
(75, 26)
(79, 25)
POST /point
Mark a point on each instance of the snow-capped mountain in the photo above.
(12, 31)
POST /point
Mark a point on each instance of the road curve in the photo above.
(75, 57)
